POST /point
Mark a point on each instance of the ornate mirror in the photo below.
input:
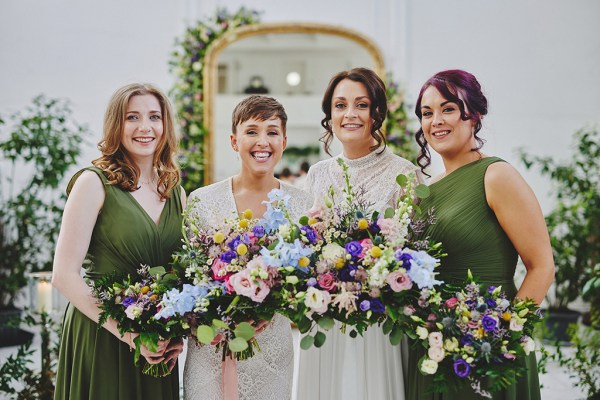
(292, 62)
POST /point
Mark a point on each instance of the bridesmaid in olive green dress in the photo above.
(122, 212)
(487, 215)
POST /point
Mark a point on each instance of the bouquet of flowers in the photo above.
(236, 274)
(366, 264)
(471, 332)
(135, 303)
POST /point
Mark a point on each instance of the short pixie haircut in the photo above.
(377, 95)
(257, 107)
(462, 88)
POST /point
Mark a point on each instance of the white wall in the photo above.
(538, 60)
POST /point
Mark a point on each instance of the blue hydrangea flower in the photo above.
(422, 268)
(286, 254)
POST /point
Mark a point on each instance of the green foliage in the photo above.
(37, 149)
(17, 369)
(574, 223)
(399, 137)
(188, 63)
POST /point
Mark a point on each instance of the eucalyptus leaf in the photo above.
(245, 331)
(422, 191)
(304, 324)
(217, 323)
(396, 336)
(387, 326)
(319, 339)
(157, 271)
(205, 334)
(389, 213)
(326, 323)
(402, 180)
(238, 344)
(307, 342)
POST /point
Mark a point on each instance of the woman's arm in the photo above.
(79, 218)
(520, 215)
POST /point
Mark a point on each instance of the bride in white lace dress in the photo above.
(259, 137)
(368, 367)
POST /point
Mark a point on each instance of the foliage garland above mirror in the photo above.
(188, 63)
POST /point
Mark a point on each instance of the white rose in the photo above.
(528, 345)
(332, 251)
(317, 300)
(436, 339)
(436, 353)
(514, 325)
(422, 333)
(429, 367)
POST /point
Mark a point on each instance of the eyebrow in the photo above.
(441, 105)
(358, 98)
(138, 112)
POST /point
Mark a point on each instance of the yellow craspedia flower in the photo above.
(144, 289)
(312, 221)
(303, 262)
(243, 223)
(376, 252)
(506, 316)
(218, 237)
(154, 297)
(363, 224)
(241, 249)
(339, 263)
(247, 214)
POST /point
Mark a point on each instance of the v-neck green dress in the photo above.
(473, 238)
(93, 363)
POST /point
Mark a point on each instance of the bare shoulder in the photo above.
(88, 181)
(504, 185)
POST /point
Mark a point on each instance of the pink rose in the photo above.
(451, 302)
(218, 269)
(228, 286)
(243, 285)
(399, 281)
(509, 356)
(366, 244)
(473, 324)
(327, 282)
(409, 310)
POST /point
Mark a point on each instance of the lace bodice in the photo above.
(375, 172)
(267, 375)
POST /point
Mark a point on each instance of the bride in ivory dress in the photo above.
(368, 367)
(259, 136)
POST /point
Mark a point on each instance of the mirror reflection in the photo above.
(294, 68)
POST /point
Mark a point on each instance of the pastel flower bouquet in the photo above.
(235, 275)
(135, 303)
(471, 333)
(366, 265)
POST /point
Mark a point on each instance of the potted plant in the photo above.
(37, 148)
(574, 223)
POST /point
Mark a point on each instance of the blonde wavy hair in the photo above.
(116, 162)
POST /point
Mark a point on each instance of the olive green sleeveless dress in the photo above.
(473, 239)
(93, 363)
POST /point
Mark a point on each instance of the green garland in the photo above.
(187, 64)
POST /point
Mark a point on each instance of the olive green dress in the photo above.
(93, 363)
(473, 239)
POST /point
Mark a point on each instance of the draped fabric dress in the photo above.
(268, 374)
(367, 367)
(473, 238)
(93, 363)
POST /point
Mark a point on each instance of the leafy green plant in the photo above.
(37, 148)
(399, 137)
(18, 368)
(574, 223)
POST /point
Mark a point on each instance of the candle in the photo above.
(44, 296)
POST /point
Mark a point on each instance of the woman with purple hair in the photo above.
(487, 215)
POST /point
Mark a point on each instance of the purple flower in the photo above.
(365, 305)
(228, 256)
(461, 368)
(404, 258)
(466, 340)
(311, 235)
(259, 231)
(491, 303)
(489, 323)
(127, 301)
(246, 238)
(234, 243)
(491, 289)
(347, 274)
(311, 282)
(377, 306)
(374, 228)
(354, 248)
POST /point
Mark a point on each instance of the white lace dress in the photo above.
(368, 367)
(267, 375)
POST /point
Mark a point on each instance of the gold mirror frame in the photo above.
(213, 53)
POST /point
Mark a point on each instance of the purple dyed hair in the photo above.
(462, 88)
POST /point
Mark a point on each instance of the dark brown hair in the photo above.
(377, 95)
(258, 107)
